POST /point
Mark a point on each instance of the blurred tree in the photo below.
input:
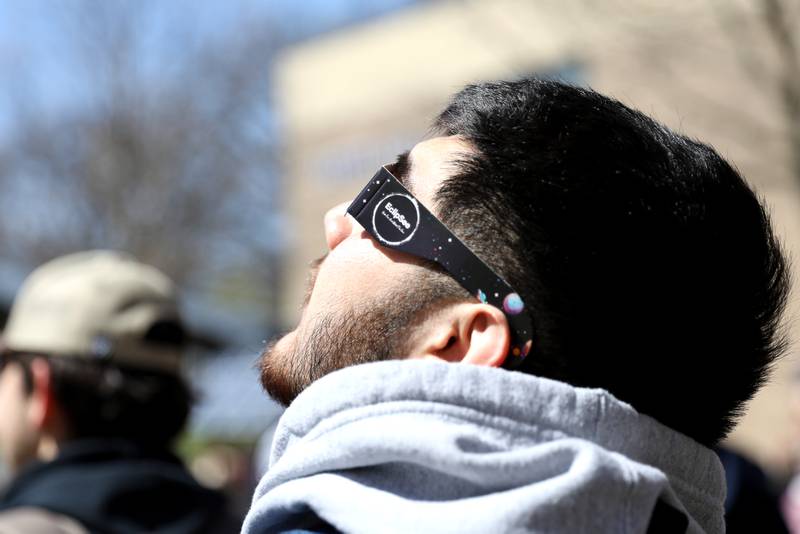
(760, 35)
(775, 67)
(170, 155)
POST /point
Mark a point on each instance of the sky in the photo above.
(35, 41)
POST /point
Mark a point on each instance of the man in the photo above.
(616, 288)
(90, 400)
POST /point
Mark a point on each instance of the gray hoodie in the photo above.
(425, 446)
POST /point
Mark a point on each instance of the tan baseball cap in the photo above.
(97, 305)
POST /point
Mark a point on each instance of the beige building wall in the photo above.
(353, 99)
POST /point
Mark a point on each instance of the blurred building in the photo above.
(352, 99)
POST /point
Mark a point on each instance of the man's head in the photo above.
(647, 265)
(91, 350)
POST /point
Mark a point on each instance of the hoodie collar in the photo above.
(590, 414)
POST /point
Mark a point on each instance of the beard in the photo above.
(374, 332)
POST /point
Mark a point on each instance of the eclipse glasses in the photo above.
(393, 216)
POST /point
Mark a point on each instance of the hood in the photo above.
(426, 446)
(116, 487)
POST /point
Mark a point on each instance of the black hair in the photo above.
(648, 265)
(102, 399)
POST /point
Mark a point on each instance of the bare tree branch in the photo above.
(172, 160)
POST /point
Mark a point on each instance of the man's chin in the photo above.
(275, 371)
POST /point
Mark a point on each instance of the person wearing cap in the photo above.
(91, 399)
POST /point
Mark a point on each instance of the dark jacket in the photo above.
(751, 504)
(113, 487)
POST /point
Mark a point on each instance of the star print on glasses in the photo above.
(397, 220)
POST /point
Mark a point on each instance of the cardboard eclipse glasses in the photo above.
(397, 220)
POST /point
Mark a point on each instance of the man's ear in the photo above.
(41, 407)
(473, 333)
